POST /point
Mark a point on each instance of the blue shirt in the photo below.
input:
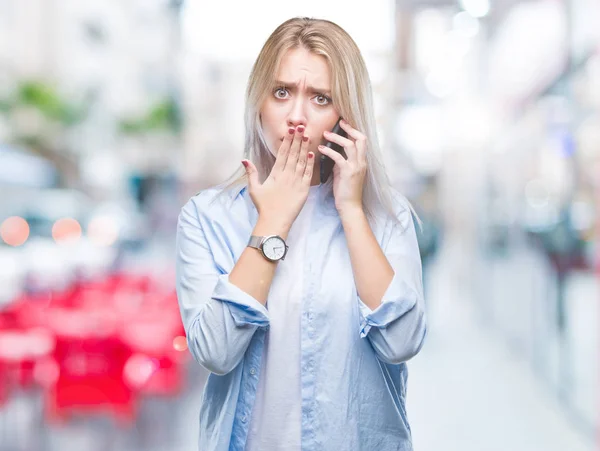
(352, 358)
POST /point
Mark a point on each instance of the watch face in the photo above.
(274, 248)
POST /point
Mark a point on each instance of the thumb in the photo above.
(252, 173)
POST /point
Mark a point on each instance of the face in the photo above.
(301, 96)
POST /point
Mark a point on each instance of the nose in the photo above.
(297, 115)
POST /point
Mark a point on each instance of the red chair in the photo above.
(156, 366)
(91, 360)
(20, 351)
(95, 346)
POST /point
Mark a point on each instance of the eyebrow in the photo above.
(310, 88)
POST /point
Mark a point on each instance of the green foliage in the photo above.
(45, 99)
(163, 116)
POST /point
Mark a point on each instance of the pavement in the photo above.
(470, 390)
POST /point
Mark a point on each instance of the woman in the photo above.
(303, 300)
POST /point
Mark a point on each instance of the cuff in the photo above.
(244, 309)
(398, 299)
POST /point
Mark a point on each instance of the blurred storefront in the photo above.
(540, 177)
(500, 126)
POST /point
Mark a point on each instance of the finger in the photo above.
(352, 132)
(335, 138)
(360, 141)
(292, 158)
(284, 149)
(308, 169)
(346, 143)
(252, 174)
(335, 156)
(302, 157)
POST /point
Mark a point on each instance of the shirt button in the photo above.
(244, 419)
(252, 371)
(310, 316)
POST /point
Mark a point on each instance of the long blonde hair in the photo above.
(351, 95)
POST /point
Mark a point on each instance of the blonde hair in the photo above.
(351, 95)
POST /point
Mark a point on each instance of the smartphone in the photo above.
(327, 163)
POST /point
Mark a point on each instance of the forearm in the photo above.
(371, 268)
(253, 273)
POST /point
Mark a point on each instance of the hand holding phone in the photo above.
(326, 163)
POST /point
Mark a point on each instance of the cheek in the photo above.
(266, 122)
(272, 141)
(272, 111)
(270, 124)
(272, 119)
(326, 125)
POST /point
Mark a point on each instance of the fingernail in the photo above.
(245, 163)
(300, 129)
(305, 138)
(291, 131)
(310, 154)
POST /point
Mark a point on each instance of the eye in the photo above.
(279, 89)
(324, 100)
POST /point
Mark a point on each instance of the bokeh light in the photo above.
(66, 229)
(14, 231)
(139, 369)
(180, 343)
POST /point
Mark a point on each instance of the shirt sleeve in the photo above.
(219, 318)
(397, 328)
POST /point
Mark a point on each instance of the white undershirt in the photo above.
(275, 421)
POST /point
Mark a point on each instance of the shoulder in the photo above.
(404, 212)
(212, 202)
(400, 202)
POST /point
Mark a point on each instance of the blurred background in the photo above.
(114, 112)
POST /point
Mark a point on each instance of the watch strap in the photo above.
(255, 241)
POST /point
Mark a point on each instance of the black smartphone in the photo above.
(327, 163)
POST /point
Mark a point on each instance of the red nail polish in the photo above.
(310, 155)
(245, 163)
(300, 129)
(305, 138)
(291, 131)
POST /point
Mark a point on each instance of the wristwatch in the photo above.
(273, 247)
